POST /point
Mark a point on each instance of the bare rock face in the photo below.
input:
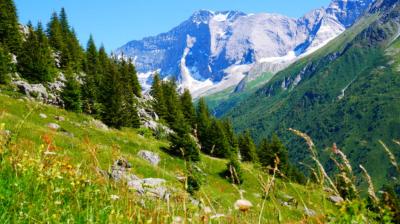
(149, 156)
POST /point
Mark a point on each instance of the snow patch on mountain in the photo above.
(212, 51)
(188, 82)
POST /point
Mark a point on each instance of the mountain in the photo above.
(212, 51)
(346, 93)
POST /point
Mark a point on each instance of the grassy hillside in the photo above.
(219, 103)
(63, 186)
(349, 94)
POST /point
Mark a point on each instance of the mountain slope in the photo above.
(347, 92)
(53, 176)
(215, 50)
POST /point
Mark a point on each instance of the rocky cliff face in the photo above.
(212, 51)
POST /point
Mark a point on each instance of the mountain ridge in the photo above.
(230, 45)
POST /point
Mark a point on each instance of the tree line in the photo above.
(196, 130)
(96, 83)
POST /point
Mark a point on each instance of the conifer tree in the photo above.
(129, 111)
(280, 151)
(55, 34)
(113, 106)
(64, 22)
(10, 36)
(248, 150)
(71, 94)
(158, 95)
(6, 66)
(74, 52)
(230, 135)
(90, 86)
(273, 152)
(172, 103)
(135, 85)
(203, 122)
(216, 143)
(36, 62)
(103, 67)
(188, 108)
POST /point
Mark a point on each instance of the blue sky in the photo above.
(115, 22)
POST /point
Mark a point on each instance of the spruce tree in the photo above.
(133, 79)
(188, 108)
(158, 95)
(64, 21)
(36, 61)
(129, 111)
(216, 143)
(203, 122)
(281, 152)
(230, 135)
(6, 66)
(103, 67)
(113, 106)
(273, 154)
(172, 103)
(247, 148)
(55, 34)
(73, 53)
(10, 36)
(71, 94)
(91, 81)
(265, 154)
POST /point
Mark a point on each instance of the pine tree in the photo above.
(135, 85)
(55, 34)
(247, 148)
(280, 151)
(74, 52)
(230, 135)
(10, 36)
(184, 145)
(71, 94)
(172, 103)
(113, 106)
(64, 22)
(216, 143)
(273, 154)
(188, 108)
(104, 62)
(158, 95)
(6, 67)
(265, 154)
(36, 62)
(129, 111)
(203, 122)
(91, 80)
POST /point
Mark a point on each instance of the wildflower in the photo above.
(177, 220)
(48, 153)
(207, 210)
(114, 197)
(243, 205)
